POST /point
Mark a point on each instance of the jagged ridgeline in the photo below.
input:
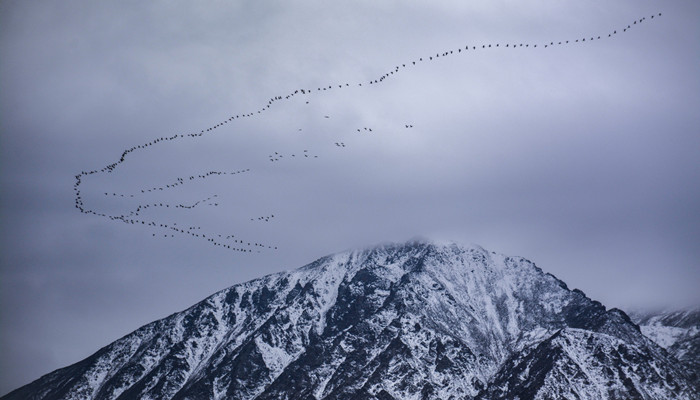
(168, 208)
(419, 320)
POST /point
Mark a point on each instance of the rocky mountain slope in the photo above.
(419, 320)
(676, 331)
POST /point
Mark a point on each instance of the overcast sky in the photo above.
(581, 157)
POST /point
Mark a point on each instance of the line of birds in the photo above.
(180, 181)
(289, 96)
(142, 207)
(80, 205)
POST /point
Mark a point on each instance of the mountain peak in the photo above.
(421, 319)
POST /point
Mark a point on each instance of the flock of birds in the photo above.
(264, 218)
(231, 242)
(277, 156)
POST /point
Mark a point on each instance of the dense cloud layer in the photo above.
(579, 156)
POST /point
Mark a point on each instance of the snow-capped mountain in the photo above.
(419, 320)
(676, 331)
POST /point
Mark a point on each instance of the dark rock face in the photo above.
(412, 321)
